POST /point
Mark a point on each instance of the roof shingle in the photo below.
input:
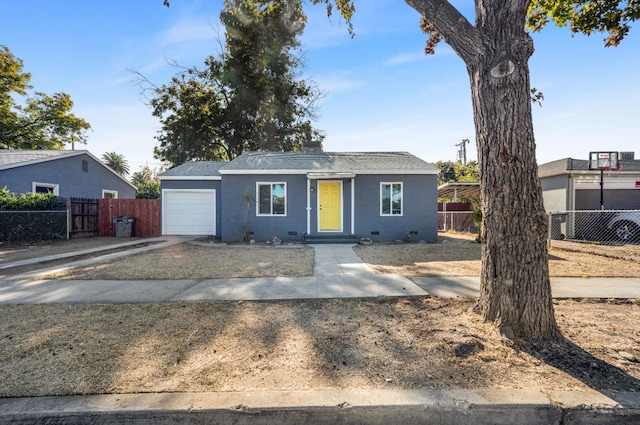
(195, 168)
(329, 162)
(14, 158)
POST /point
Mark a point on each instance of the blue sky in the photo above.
(381, 92)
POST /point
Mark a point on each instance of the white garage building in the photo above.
(190, 197)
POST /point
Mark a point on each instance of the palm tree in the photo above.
(143, 176)
(116, 162)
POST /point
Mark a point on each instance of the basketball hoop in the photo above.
(612, 171)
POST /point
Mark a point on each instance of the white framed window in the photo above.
(38, 187)
(271, 199)
(109, 194)
(391, 199)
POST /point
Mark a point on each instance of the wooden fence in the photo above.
(84, 217)
(145, 211)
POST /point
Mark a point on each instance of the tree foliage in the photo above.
(610, 17)
(148, 190)
(248, 98)
(144, 175)
(41, 121)
(147, 182)
(117, 162)
(457, 172)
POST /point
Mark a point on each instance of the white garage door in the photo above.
(188, 212)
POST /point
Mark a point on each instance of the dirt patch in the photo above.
(460, 255)
(105, 250)
(24, 251)
(194, 261)
(454, 255)
(311, 344)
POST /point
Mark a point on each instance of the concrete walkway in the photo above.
(561, 287)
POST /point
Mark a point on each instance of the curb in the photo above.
(375, 407)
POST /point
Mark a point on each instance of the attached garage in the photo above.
(188, 212)
(191, 199)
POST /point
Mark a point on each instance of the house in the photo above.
(70, 174)
(299, 196)
(574, 184)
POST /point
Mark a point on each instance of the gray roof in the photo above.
(336, 162)
(10, 158)
(195, 168)
(564, 165)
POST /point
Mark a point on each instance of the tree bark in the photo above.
(515, 291)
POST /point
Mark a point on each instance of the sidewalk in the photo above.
(561, 287)
(372, 407)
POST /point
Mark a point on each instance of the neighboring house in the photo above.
(70, 174)
(569, 185)
(296, 196)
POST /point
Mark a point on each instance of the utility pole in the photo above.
(462, 152)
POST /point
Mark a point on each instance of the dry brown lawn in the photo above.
(191, 261)
(453, 255)
(459, 255)
(23, 251)
(404, 343)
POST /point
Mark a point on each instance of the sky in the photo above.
(381, 93)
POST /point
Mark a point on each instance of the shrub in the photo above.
(30, 201)
(149, 190)
(23, 217)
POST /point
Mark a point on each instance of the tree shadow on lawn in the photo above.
(597, 374)
(406, 343)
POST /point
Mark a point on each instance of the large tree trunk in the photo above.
(515, 289)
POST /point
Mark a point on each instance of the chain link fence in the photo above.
(607, 227)
(458, 221)
(604, 227)
(27, 226)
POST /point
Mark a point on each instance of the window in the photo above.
(45, 188)
(391, 199)
(109, 194)
(272, 198)
(85, 166)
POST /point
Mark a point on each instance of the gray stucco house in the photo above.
(70, 174)
(569, 184)
(300, 196)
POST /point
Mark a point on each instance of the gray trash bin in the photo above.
(124, 226)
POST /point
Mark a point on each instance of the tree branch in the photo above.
(456, 30)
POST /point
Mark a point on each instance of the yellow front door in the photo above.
(329, 206)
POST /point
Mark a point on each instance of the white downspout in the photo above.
(353, 206)
(308, 206)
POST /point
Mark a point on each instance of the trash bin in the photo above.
(124, 226)
(558, 224)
